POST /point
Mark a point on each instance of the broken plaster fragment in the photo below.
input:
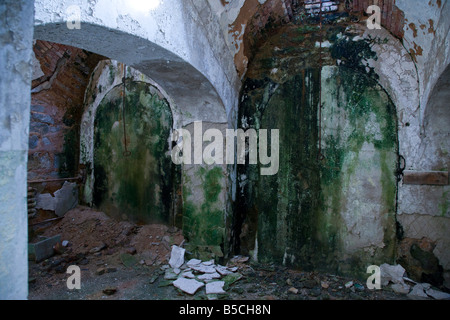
(208, 263)
(190, 286)
(204, 269)
(223, 270)
(177, 257)
(188, 274)
(390, 273)
(209, 276)
(193, 262)
(215, 287)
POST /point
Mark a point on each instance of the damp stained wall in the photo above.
(332, 204)
(134, 175)
(200, 192)
(206, 215)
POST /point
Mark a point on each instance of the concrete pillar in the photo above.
(16, 41)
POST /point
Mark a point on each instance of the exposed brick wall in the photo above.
(56, 109)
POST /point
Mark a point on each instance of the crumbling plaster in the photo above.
(426, 37)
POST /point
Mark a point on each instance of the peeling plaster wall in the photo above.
(16, 35)
(335, 214)
(427, 38)
(140, 185)
(423, 210)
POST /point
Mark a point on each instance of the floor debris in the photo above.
(190, 286)
(215, 287)
(177, 257)
(239, 278)
(110, 291)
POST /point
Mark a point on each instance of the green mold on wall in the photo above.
(203, 220)
(140, 185)
(305, 215)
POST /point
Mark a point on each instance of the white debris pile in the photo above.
(194, 274)
(395, 275)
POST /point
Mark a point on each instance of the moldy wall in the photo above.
(332, 205)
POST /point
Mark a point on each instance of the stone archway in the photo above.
(177, 53)
(146, 174)
(332, 204)
(168, 43)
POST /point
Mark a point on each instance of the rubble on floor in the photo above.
(63, 200)
(122, 260)
(395, 276)
(85, 231)
(190, 276)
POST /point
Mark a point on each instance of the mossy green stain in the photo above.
(140, 185)
(321, 231)
(203, 223)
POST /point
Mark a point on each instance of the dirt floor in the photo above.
(124, 261)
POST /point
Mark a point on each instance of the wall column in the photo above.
(16, 39)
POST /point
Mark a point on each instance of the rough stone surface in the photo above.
(56, 109)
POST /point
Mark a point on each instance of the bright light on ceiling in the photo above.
(144, 5)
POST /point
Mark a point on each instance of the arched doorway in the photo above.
(192, 76)
(134, 175)
(332, 205)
